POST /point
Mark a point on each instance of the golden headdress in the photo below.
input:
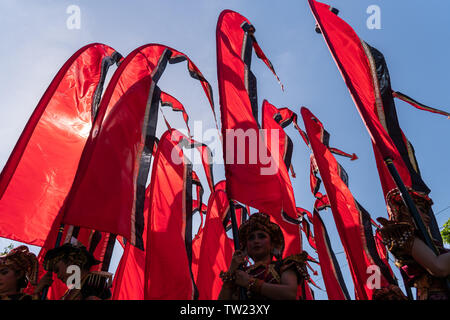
(21, 259)
(261, 221)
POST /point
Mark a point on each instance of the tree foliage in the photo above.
(446, 232)
(7, 249)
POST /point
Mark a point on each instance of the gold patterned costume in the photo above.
(398, 234)
(267, 273)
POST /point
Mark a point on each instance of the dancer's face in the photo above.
(8, 280)
(259, 245)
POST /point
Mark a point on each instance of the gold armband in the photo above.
(227, 277)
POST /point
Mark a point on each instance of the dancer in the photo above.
(262, 241)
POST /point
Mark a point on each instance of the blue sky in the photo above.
(413, 37)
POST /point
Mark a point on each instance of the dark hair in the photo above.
(22, 283)
(70, 254)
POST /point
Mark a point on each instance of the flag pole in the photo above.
(411, 206)
(234, 228)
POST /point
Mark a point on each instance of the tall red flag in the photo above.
(41, 168)
(109, 189)
(216, 248)
(352, 221)
(249, 168)
(198, 238)
(366, 75)
(331, 273)
(274, 121)
(168, 253)
(169, 101)
(129, 277)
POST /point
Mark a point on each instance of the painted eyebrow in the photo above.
(258, 233)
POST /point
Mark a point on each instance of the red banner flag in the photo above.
(168, 253)
(116, 160)
(169, 101)
(366, 74)
(41, 168)
(352, 221)
(129, 277)
(331, 272)
(418, 105)
(198, 238)
(249, 168)
(274, 123)
(216, 248)
(128, 281)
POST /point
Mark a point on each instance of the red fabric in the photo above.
(246, 180)
(216, 248)
(306, 227)
(168, 100)
(346, 213)
(348, 52)
(366, 74)
(205, 155)
(333, 283)
(291, 231)
(113, 147)
(197, 241)
(116, 146)
(221, 185)
(167, 269)
(42, 166)
(128, 281)
(309, 236)
(352, 156)
(303, 212)
(418, 105)
(309, 293)
(196, 245)
(200, 209)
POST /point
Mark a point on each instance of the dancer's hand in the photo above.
(237, 260)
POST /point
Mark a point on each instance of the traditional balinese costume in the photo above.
(271, 272)
(398, 234)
